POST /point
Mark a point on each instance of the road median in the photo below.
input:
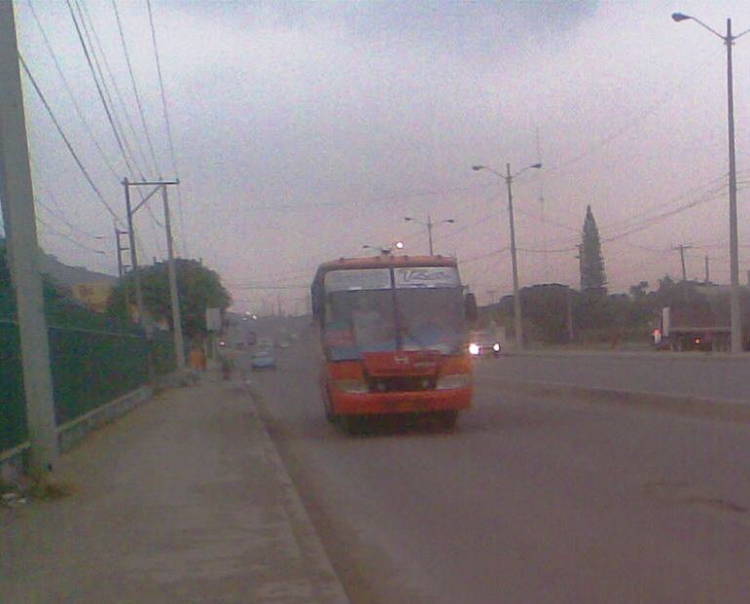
(704, 408)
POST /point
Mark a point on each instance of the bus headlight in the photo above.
(453, 380)
(351, 386)
(474, 349)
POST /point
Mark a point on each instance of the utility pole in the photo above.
(160, 185)
(17, 196)
(120, 249)
(682, 249)
(514, 262)
(735, 300)
(179, 343)
(569, 301)
(707, 274)
(429, 224)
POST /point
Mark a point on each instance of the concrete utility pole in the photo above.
(706, 263)
(508, 178)
(174, 295)
(429, 224)
(682, 249)
(17, 195)
(120, 249)
(734, 262)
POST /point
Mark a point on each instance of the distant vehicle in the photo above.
(265, 343)
(701, 322)
(263, 359)
(484, 344)
(393, 331)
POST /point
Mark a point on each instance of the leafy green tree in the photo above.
(198, 287)
(593, 276)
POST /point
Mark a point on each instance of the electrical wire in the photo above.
(137, 96)
(170, 139)
(69, 90)
(67, 141)
(99, 90)
(75, 242)
(59, 216)
(94, 42)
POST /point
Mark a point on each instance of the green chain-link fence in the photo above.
(93, 362)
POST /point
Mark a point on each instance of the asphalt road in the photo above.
(528, 501)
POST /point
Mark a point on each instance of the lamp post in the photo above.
(734, 264)
(429, 224)
(508, 178)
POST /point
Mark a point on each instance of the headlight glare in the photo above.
(453, 380)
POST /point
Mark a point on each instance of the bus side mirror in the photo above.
(470, 307)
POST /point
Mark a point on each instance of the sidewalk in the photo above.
(184, 500)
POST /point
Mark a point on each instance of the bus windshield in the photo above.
(383, 320)
(359, 321)
(431, 319)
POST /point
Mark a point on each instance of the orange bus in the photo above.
(394, 334)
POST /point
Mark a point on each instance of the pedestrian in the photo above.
(197, 362)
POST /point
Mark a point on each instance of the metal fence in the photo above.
(12, 403)
(90, 367)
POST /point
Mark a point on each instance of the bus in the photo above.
(394, 335)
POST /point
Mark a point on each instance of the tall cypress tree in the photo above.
(593, 277)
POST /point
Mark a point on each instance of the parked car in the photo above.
(484, 344)
(263, 359)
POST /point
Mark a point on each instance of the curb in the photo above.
(715, 409)
(325, 583)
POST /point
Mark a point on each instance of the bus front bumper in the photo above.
(424, 401)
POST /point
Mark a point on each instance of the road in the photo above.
(528, 501)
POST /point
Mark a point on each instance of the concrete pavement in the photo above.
(184, 500)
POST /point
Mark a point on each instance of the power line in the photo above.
(99, 90)
(67, 141)
(61, 217)
(135, 89)
(69, 90)
(75, 242)
(94, 42)
(170, 140)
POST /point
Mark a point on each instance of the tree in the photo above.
(199, 288)
(638, 292)
(593, 277)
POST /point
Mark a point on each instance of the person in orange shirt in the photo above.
(197, 362)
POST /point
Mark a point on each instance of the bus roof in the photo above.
(383, 261)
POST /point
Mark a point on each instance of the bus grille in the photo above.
(401, 384)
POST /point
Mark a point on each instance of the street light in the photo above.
(385, 250)
(429, 224)
(734, 264)
(508, 178)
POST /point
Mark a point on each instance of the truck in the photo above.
(702, 321)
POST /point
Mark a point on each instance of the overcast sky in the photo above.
(303, 131)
